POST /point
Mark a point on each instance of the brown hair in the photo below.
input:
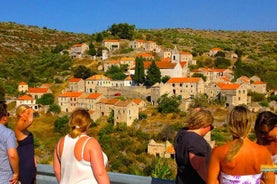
(239, 123)
(264, 119)
(198, 118)
(79, 122)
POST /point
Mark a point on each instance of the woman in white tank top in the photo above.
(78, 158)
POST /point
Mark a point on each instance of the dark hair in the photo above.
(265, 118)
(3, 109)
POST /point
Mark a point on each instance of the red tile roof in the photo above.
(71, 94)
(184, 80)
(224, 86)
(160, 65)
(75, 79)
(22, 83)
(25, 97)
(38, 90)
(93, 95)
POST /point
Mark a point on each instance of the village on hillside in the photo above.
(98, 93)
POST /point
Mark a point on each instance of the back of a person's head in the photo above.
(199, 118)
(262, 118)
(240, 121)
(3, 109)
(265, 119)
(239, 124)
(79, 122)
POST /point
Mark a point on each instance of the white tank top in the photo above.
(72, 170)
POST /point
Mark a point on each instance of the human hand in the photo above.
(14, 179)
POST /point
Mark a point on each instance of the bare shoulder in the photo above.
(92, 143)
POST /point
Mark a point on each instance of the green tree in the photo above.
(122, 30)
(168, 104)
(61, 125)
(116, 73)
(153, 74)
(221, 62)
(237, 68)
(165, 78)
(99, 37)
(58, 48)
(2, 92)
(82, 72)
(92, 50)
(54, 108)
(139, 76)
(46, 99)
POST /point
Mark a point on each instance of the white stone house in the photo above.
(22, 87)
(95, 81)
(233, 94)
(137, 44)
(213, 51)
(163, 150)
(38, 92)
(125, 112)
(186, 87)
(76, 84)
(78, 50)
(258, 87)
(27, 100)
(68, 101)
(111, 45)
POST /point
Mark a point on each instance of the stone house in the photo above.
(233, 94)
(111, 45)
(27, 100)
(141, 104)
(137, 44)
(244, 80)
(146, 56)
(213, 51)
(186, 87)
(151, 46)
(78, 50)
(213, 74)
(38, 92)
(92, 99)
(166, 68)
(104, 106)
(125, 112)
(258, 87)
(22, 87)
(76, 85)
(163, 150)
(68, 101)
(95, 81)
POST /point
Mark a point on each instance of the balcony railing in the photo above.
(45, 175)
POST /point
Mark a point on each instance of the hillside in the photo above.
(259, 49)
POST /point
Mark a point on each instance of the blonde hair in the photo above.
(239, 123)
(199, 117)
(79, 122)
(20, 109)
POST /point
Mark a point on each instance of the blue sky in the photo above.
(91, 16)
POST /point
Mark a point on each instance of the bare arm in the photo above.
(56, 160)
(97, 162)
(14, 161)
(199, 164)
(214, 168)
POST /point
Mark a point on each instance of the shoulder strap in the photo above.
(83, 148)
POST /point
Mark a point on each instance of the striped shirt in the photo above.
(7, 141)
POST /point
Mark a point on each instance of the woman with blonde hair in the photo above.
(25, 140)
(78, 158)
(240, 160)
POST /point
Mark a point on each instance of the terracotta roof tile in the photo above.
(184, 80)
(224, 86)
(93, 95)
(75, 79)
(38, 90)
(25, 97)
(71, 94)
